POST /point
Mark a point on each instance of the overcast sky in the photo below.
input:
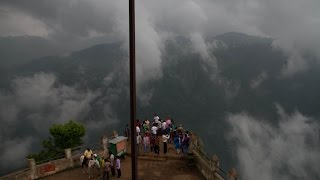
(295, 24)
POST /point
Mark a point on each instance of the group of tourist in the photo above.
(110, 164)
(148, 135)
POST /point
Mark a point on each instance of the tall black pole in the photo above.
(132, 89)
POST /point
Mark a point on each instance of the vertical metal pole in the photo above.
(132, 89)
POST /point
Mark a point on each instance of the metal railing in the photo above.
(220, 171)
(80, 149)
(49, 159)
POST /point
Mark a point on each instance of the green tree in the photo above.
(68, 135)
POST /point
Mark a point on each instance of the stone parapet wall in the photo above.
(209, 167)
(37, 171)
(19, 175)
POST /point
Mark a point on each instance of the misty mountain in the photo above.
(191, 90)
(86, 67)
(17, 50)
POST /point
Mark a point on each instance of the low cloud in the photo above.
(36, 102)
(14, 152)
(287, 150)
(255, 83)
(42, 91)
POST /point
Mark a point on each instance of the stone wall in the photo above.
(209, 167)
(37, 171)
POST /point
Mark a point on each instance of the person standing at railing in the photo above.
(177, 143)
(185, 144)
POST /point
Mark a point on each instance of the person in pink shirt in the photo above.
(118, 166)
(168, 121)
(146, 142)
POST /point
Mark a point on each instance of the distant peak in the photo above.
(236, 38)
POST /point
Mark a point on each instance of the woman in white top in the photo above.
(165, 138)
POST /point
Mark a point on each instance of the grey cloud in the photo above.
(15, 149)
(15, 23)
(39, 92)
(285, 151)
(255, 83)
(148, 47)
(295, 24)
(70, 19)
(35, 103)
(99, 125)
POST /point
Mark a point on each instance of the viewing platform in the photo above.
(194, 166)
(150, 167)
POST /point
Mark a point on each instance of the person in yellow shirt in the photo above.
(87, 156)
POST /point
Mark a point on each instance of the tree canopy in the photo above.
(63, 136)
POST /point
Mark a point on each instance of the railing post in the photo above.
(216, 162)
(67, 155)
(232, 174)
(193, 142)
(33, 170)
(200, 144)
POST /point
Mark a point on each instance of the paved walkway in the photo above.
(170, 166)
